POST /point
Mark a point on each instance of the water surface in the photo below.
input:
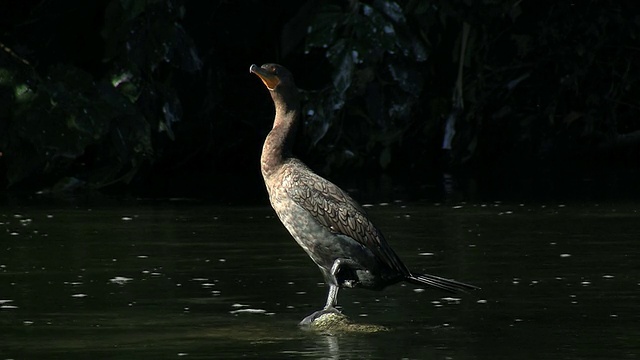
(192, 281)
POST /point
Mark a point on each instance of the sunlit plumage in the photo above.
(326, 222)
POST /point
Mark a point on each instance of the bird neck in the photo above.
(278, 144)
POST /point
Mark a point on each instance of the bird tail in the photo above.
(437, 282)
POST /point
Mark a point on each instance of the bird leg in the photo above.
(332, 297)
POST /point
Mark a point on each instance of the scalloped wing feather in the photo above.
(336, 210)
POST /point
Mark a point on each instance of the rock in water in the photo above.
(333, 322)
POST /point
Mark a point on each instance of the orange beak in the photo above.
(269, 80)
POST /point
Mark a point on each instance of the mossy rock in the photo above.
(332, 322)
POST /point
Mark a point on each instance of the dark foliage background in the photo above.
(154, 98)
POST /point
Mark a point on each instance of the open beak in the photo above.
(270, 80)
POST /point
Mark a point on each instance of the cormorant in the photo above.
(325, 221)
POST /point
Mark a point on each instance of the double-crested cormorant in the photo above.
(326, 222)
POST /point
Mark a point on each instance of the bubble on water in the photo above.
(482, 301)
(3, 304)
(248, 311)
(120, 280)
(451, 300)
(608, 276)
(418, 290)
(126, 218)
(237, 305)
(565, 255)
(78, 296)
(142, 256)
(426, 254)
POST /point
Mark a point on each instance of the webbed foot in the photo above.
(313, 317)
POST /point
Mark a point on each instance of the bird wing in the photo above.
(337, 211)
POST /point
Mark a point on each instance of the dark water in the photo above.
(175, 280)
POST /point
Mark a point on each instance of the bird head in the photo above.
(273, 75)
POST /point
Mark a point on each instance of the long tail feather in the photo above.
(437, 282)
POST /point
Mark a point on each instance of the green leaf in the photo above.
(408, 79)
(322, 32)
(391, 9)
(342, 58)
